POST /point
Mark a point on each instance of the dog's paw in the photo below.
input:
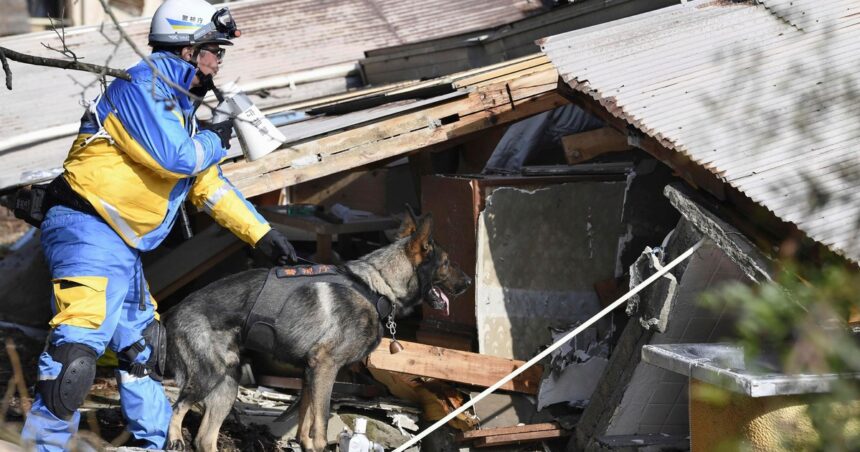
(176, 444)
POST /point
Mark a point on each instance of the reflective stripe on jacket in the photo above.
(137, 178)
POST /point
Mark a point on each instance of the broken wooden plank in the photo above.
(506, 78)
(508, 100)
(517, 438)
(475, 434)
(436, 398)
(454, 365)
(498, 70)
(279, 176)
(583, 146)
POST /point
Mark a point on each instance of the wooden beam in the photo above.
(450, 112)
(386, 147)
(517, 438)
(505, 101)
(498, 71)
(584, 146)
(454, 365)
(483, 433)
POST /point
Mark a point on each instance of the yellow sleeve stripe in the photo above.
(178, 115)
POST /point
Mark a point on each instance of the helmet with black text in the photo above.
(179, 23)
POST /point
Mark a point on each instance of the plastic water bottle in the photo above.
(343, 439)
(357, 441)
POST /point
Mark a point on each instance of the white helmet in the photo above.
(191, 22)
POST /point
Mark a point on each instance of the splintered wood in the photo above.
(488, 99)
(454, 365)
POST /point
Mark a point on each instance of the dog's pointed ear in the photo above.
(419, 244)
(407, 227)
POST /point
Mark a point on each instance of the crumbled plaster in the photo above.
(623, 241)
(575, 368)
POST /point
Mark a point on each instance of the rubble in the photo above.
(575, 368)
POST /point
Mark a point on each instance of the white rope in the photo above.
(552, 348)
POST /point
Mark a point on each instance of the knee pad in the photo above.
(154, 335)
(65, 394)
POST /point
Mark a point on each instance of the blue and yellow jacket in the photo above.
(138, 155)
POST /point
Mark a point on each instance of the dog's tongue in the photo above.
(441, 294)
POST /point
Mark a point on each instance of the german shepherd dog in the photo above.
(323, 326)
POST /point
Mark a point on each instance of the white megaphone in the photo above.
(257, 135)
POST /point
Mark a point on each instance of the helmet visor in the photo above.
(221, 29)
(224, 23)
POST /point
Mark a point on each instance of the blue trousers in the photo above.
(108, 305)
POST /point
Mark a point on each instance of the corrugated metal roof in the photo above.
(766, 96)
(278, 37)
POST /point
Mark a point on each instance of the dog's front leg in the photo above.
(322, 383)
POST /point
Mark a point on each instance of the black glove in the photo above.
(223, 129)
(204, 85)
(277, 247)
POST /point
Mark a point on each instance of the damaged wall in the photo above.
(634, 398)
(656, 399)
(539, 254)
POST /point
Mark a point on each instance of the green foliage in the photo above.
(799, 324)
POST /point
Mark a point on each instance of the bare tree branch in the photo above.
(61, 35)
(6, 69)
(109, 11)
(103, 70)
(62, 64)
(18, 375)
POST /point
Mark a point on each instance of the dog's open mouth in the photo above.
(438, 299)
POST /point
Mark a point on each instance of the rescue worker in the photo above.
(138, 155)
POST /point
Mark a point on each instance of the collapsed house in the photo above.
(561, 178)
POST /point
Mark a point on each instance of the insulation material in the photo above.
(539, 254)
(538, 134)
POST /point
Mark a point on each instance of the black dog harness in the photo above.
(259, 332)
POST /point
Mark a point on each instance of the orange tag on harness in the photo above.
(305, 270)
